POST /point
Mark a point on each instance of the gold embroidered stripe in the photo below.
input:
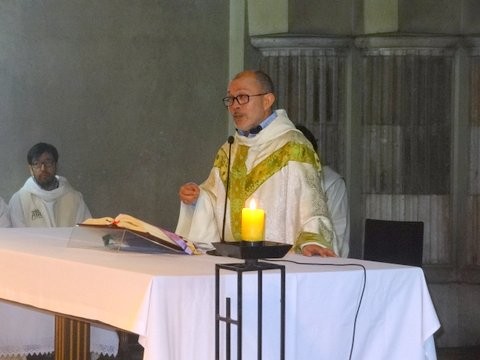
(308, 237)
(243, 184)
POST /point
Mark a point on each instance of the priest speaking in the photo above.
(273, 164)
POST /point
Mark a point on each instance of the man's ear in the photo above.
(268, 100)
(30, 169)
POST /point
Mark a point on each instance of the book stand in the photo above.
(115, 239)
(240, 268)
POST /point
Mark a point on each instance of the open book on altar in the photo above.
(128, 233)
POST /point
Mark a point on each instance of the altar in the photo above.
(334, 306)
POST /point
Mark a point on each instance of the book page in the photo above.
(99, 221)
(129, 222)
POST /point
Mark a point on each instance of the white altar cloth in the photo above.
(169, 300)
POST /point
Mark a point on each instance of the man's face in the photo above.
(257, 109)
(43, 169)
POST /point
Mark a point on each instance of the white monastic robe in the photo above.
(32, 206)
(337, 202)
(280, 170)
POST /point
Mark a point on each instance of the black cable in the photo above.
(361, 295)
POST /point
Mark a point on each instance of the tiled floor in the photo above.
(135, 352)
(468, 353)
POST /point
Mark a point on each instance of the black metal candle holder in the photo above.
(251, 252)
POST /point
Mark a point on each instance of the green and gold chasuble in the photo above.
(243, 184)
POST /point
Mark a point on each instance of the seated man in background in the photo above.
(46, 199)
(337, 201)
(4, 216)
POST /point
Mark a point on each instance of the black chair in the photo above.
(397, 242)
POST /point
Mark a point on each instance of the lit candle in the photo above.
(253, 223)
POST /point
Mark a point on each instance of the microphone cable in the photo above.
(361, 294)
(230, 142)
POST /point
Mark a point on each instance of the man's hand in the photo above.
(189, 193)
(310, 250)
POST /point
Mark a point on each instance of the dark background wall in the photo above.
(128, 91)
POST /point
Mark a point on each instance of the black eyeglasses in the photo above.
(49, 164)
(241, 99)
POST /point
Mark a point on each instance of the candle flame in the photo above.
(253, 204)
